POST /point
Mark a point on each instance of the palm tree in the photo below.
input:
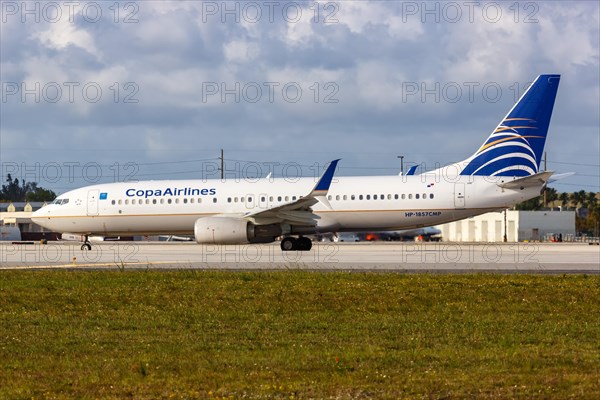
(564, 199)
(578, 198)
(551, 196)
(591, 199)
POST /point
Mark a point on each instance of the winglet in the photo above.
(322, 187)
(412, 170)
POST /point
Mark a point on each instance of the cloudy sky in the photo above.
(105, 91)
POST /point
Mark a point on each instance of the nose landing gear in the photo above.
(86, 244)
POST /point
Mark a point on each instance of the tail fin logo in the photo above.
(515, 147)
(505, 145)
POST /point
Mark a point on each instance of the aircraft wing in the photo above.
(539, 179)
(298, 212)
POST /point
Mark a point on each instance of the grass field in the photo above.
(201, 334)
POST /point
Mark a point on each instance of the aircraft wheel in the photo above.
(304, 244)
(288, 243)
(86, 246)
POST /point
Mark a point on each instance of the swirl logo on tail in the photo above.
(515, 147)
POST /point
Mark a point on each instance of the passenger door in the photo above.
(92, 202)
(459, 195)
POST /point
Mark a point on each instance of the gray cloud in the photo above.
(357, 73)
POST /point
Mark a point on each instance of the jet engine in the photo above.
(226, 230)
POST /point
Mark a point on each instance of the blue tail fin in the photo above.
(515, 147)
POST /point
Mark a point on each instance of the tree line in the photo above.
(17, 191)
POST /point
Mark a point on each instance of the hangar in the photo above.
(519, 226)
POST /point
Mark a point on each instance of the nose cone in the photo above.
(42, 216)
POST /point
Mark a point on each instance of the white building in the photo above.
(520, 226)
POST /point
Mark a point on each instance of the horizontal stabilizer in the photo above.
(539, 179)
(560, 176)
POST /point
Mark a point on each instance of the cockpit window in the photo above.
(60, 201)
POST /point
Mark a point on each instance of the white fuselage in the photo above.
(355, 203)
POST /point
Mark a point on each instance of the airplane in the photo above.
(504, 171)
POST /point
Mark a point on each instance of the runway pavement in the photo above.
(377, 256)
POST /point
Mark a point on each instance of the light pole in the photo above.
(401, 164)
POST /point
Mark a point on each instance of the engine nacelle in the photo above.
(226, 230)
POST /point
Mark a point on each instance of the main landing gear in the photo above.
(300, 244)
(86, 244)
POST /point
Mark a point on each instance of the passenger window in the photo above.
(368, 197)
(199, 200)
(263, 199)
(192, 200)
(229, 199)
(424, 195)
(176, 201)
(126, 202)
(329, 197)
(382, 197)
(147, 201)
(431, 195)
(287, 198)
(214, 200)
(169, 201)
(185, 201)
(337, 197)
(162, 201)
(345, 197)
(120, 202)
(395, 197)
(279, 198)
(417, 196)
(153, 201)
(271, 199)
(113, 202)
(374, 197)
(403, 196)
(360, 197)
(294, 198)
(410, 196)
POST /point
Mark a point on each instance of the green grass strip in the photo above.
(293, 334)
